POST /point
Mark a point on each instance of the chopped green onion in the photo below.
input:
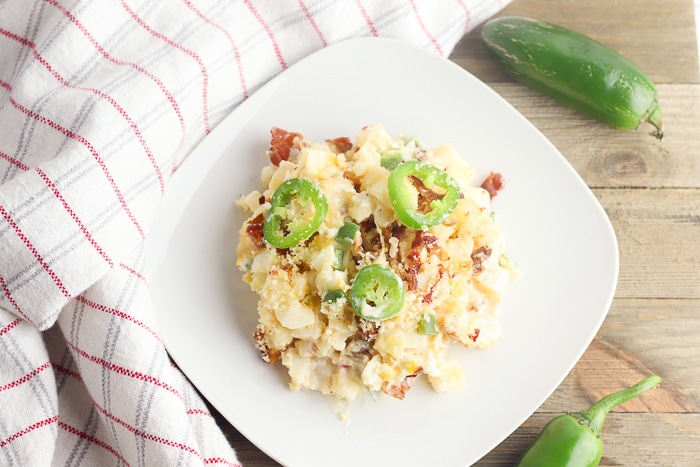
(391, 158)
(333, 296)
(347, 233)
(428, 325)
(505, 262)
(339, 259)
(407, 140)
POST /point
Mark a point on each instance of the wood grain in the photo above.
(651, 192)
(609, 158)
(658, 232)
(630, 439)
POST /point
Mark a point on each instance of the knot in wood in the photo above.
(624, 167)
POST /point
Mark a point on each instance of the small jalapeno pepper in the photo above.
(575, 70)
(377, 293)
(573, 440)
(297, 210)
(416, 203)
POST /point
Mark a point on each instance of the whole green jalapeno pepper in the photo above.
(575, 70)
(377, 293)
(405, 195)
(573, 440)
(297, 210)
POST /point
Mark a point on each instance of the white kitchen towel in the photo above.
(100, 103)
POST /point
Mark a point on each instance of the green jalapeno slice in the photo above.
(297, 210)
(377, 293)
(422, 195)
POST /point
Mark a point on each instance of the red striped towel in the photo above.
(100, 102)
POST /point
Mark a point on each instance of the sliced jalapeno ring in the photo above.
(297, 210)
(377, 293)
(412, 194)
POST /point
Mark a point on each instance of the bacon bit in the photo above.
(262, 200)
(414, 257)
(478, 257)
(399, 390)
(398, 231)
(342, 145)
(417, 240)
(268, 356)
(412, 278)
(428, 298)
(281, 145)
(367, 330)
(430, 242)
(425, 194)
(474, 336)
(493, 184)
(371, 240)
(255, 231)
(420, 242)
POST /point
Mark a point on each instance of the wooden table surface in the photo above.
(651, 191)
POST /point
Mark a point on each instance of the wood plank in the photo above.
(639, 337)
(629, 439)
(609, 158)
(657, 232)
(643, 337)
(658, 36)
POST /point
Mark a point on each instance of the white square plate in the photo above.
(555, 230)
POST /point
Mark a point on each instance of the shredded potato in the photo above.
(455, 271)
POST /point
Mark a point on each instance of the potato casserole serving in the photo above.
(369, 258)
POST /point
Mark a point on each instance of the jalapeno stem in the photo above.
(654, 117)
(595, 415)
